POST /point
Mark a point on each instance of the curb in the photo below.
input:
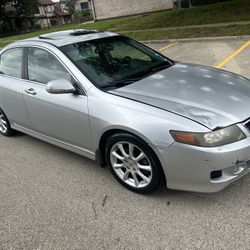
(197, 39)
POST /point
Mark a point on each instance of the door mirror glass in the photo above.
(60, 86)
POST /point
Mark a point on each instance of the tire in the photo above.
(133, 163)
(5, 128)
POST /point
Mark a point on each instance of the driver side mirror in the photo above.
(60, 86)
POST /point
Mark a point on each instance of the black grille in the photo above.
(248, 125)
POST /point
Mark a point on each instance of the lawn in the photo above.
(237, 10)
(232, 11)
(233, 30)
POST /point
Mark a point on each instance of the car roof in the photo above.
(66, 37)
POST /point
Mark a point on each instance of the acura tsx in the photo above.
(152, 120)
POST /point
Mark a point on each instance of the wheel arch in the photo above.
(111, 131)
(100, 154)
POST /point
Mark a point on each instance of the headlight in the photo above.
(211, 139)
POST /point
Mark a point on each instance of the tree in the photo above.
(14, 14)
(81, 16)
(24, 10)
(2, 9)
(70, 6)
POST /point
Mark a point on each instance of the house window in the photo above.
(48, 8)
(84, 6)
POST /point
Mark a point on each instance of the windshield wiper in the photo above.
(121, 83)
(148, 72)
(160, 67)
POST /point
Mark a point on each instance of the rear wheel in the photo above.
(5, 128)
(133, 163)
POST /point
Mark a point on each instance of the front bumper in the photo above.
(189, 167)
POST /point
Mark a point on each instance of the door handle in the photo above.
(30, 91)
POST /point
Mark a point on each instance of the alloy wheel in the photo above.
(3, 123)
(131, 164)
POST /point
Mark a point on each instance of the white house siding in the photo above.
(114, 8)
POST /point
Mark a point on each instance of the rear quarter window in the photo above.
(11, 62)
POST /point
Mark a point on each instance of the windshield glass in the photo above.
(114, 61)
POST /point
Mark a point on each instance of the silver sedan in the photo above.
(152, 120)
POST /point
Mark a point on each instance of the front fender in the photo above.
(108, 112)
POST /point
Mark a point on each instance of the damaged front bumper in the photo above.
(201, 169)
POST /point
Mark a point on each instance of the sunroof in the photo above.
(68, 33)
(83, 32)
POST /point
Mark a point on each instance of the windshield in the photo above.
(115, 61)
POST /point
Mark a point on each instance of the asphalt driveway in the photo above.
(54, 199)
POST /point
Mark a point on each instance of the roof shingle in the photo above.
(46, 2)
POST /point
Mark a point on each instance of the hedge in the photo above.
(204, 2)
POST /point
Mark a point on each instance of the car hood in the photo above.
(211, 97)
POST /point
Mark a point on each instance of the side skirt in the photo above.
(56, 142)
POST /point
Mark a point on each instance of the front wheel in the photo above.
(133, 163)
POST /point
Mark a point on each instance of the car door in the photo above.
(11, 98)
(60, 116)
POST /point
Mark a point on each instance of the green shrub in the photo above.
(81, 16)
(183, 3)
(37, 26)
(204, 2)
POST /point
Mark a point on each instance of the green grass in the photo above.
(234, 30)
(237, 10)
(8, 39)
(232, 11)
(104, 25)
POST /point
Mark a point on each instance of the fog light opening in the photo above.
(216, 174)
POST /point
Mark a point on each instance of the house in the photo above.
(82, 4)
(104, 9)
(51, 13)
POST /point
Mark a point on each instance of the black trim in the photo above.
(248, 125)
(25, 64)
(155, 51)
(99, 158)
(46, 38)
